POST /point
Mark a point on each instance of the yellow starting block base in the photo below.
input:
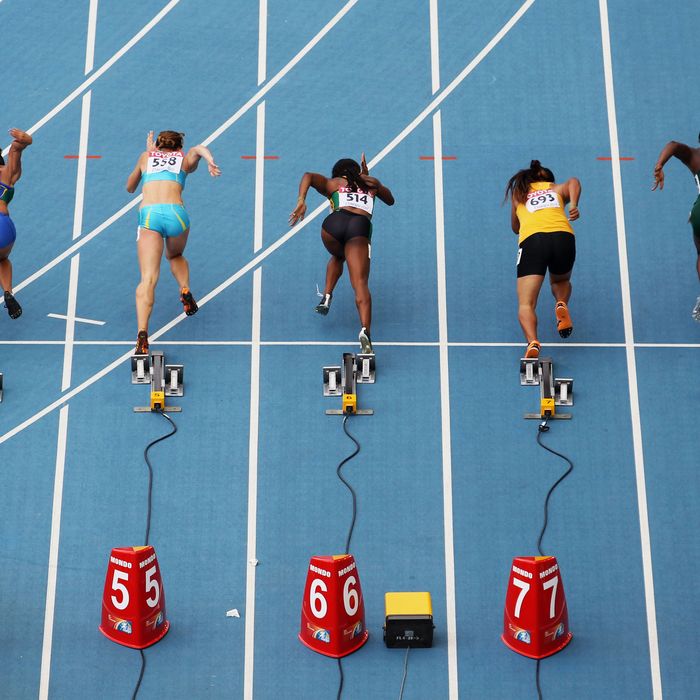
(409, 619)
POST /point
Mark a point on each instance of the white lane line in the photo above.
(212, 137)
(321, 343)
(53, 554)
(446, 423)
(77, 319)
(91, 34)
(101, 70)
(253, 430)
(647, 564)
(70, 322)
(255, 261)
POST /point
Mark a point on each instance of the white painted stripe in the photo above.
(101, 70)
(434, 47)
(212, 137)
(251, 549)
(450, 587)
(631, 360)
(70, 322)
(53, 554)
(257, 260)
(82, 166)
(434, 104)
(262, 42)
(91, 33)
(259, 178)
(77, 319)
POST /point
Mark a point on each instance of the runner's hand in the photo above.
(298, 212)
(573, 213)
(150, 143)
(658, 178)
(214, 169)
(363, 165)
(21, 137)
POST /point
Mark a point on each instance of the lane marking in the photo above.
(446, 423)
(52, 574)
(265, 253)
(253, 424)
(100, 71)
(259, 157)
(77, 318)
(610, 158)
(433, 157)
(61, 441)
(645, 538)
(212, 137)
(81, 157)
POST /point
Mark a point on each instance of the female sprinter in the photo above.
(10, 172)
(545, 242)
(690, 157)
(163, 220)
(347, 231)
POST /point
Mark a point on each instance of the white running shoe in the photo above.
(324, 305)
(695, 313)
(365, 342)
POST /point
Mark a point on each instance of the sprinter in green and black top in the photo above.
(10, 173)
(690, 157)
(347, 231)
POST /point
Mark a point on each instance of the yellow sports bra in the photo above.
(542, 212)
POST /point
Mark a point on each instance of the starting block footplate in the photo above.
(140, 369)
(366, 369)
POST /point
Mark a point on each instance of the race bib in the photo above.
(159, 162)
(541, 199)
(359, 200)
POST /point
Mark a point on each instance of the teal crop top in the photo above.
(165, 165)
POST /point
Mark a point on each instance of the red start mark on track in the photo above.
(433, 157)
(76, 157)
(264, 157)
(609, 158)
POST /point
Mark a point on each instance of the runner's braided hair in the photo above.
(519, 185)
(170, 140)
(349, 169)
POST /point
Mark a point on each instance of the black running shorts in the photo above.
(540, 252)
(344, 225)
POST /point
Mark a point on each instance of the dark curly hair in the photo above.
(350, 170)
(519, 185)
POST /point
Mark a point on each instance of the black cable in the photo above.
(354, 516)
(405, 672)
(148, 520)
(352, 491)
(543, 428)
(143, 669)
(150, 470)
(340, 686)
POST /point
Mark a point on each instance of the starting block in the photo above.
(553, 391)
(343, 381)
(165, 380)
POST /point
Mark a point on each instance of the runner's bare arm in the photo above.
(191, 160)
(132, 182)
(675, 149)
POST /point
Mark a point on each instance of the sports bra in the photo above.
(165, 165)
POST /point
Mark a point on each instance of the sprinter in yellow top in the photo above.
(545, 242)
